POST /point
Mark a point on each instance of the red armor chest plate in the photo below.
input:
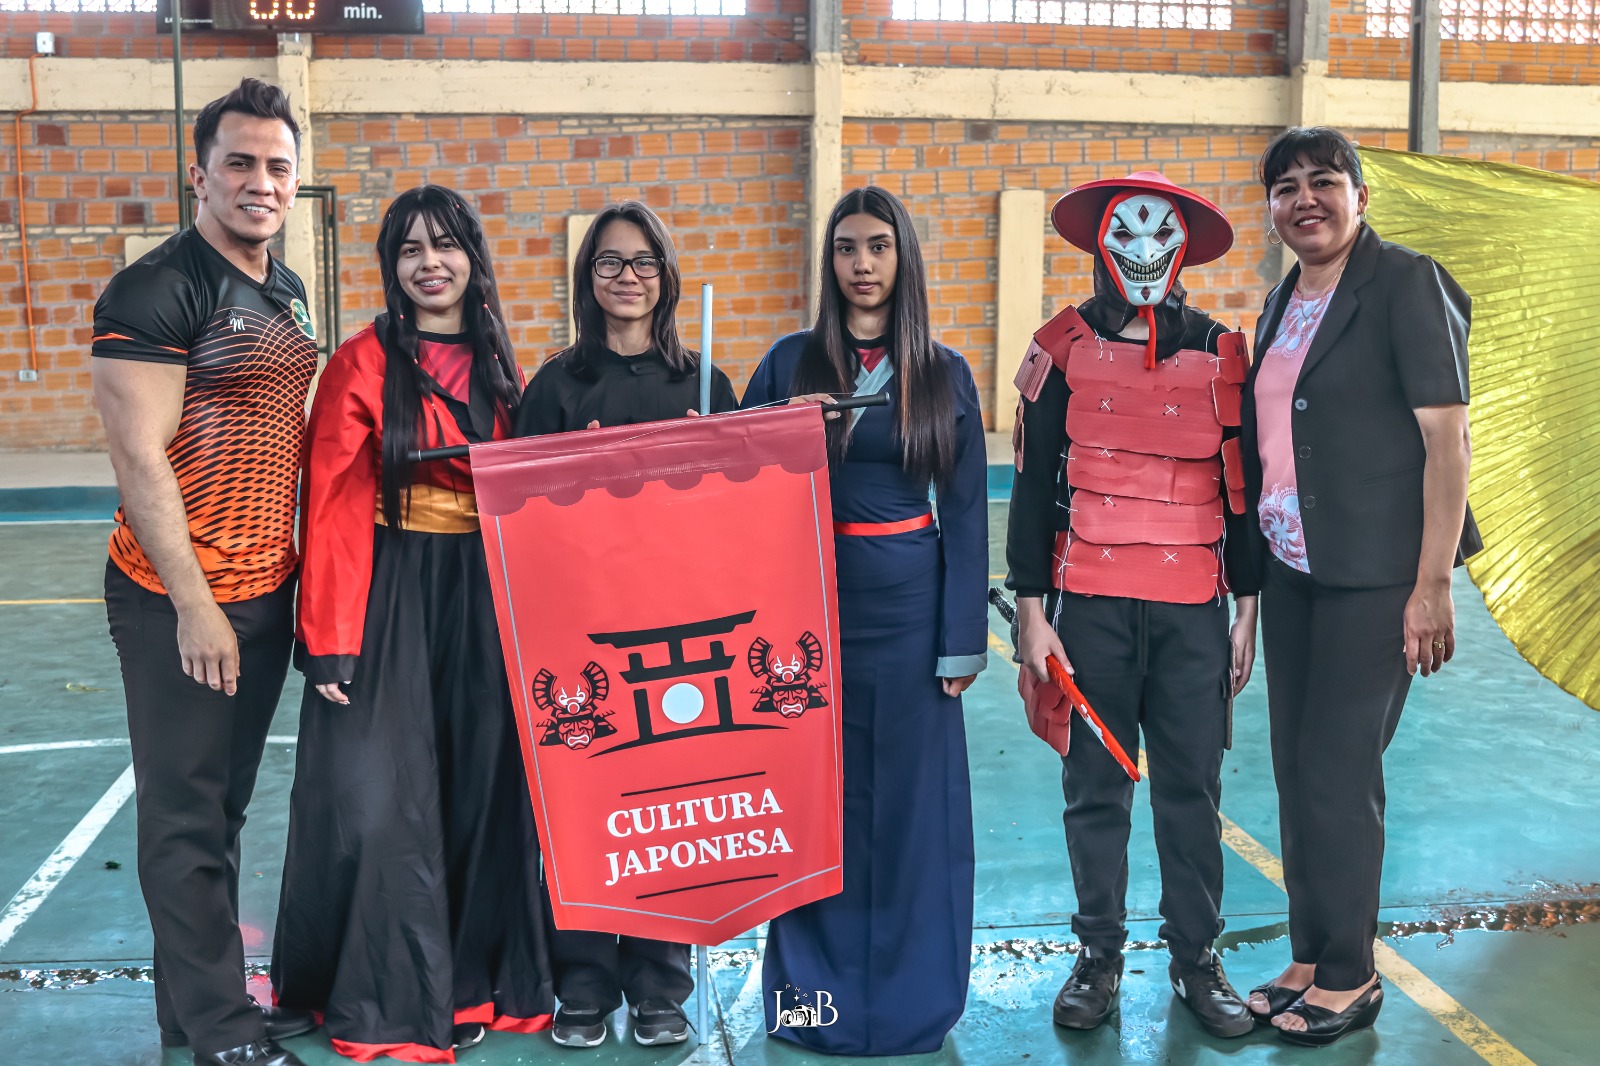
(1149, 472)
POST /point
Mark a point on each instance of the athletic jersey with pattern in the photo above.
(250, 355)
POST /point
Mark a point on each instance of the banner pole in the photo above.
(702, 959)
(705, 348)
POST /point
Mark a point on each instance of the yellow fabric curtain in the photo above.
(1522, 242)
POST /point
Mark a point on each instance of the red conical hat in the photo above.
(1077, 215)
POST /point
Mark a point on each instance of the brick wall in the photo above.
(773, 31)
(93, 181)
(120, 36)
(1254, 46)
(951, 173)
(727, 190)
(1352, 54)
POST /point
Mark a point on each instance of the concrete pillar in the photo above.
(299, 232)
(1020, 293)
(1423, 128)
(827, 127)
(1307, 61)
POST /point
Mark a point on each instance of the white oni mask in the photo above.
(1142, 238)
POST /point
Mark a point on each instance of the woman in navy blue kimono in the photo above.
(886, 961)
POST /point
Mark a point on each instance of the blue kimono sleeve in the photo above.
(963, 502)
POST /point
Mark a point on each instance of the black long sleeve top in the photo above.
(569, 392)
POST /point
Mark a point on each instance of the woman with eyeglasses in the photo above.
(628, 365)
(892, 951)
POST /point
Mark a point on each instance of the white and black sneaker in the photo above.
(1090, 993)
(659, 1021)
(467, 1034)
(1204, 987)
(578, 1026)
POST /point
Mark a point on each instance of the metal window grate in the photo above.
(1513, 21)
(80, 7)
(585, 7)
(435, 7)
(1131, 14)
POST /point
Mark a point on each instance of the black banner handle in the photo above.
(843, 403)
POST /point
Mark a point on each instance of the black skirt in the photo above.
(412, 896)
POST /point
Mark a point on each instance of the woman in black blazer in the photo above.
(1356, 450)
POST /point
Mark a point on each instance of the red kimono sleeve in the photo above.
(338, 507)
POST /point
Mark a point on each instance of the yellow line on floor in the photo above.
(1445, 1008)
(42, 603)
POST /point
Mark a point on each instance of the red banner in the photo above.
(665, 596)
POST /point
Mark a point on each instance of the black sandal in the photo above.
(1324, 1026)
(1279, 999)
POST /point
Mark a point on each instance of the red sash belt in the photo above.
(882, 529)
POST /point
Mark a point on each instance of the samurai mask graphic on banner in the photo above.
(637, 602)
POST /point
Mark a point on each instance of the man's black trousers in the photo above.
(195, 757)
(1163, 669)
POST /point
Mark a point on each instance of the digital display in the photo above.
(295, 16)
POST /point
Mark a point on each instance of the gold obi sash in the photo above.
(433, 509)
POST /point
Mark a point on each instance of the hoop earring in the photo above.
(1272, 235)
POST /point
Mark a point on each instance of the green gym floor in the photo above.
(1490, 920)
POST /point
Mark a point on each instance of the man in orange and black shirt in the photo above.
(204, 353)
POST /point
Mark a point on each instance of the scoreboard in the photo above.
(295, 16)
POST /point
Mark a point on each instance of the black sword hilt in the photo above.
(1008, 613)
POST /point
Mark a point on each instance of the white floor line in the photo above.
(64, 745)
(103, 742)
(61, 861)
(55, 522)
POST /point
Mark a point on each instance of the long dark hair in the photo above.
(494, 367)
(590, 317)
(927, 425)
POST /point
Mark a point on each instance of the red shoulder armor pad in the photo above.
(1031, 374)
(1051, 344)
(1058, 335)
(1225, 397)
(1234, 353)
(1233, 474)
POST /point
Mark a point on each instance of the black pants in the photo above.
(1336, 683)
(598, 969)
(195, 757)
(1164, 668)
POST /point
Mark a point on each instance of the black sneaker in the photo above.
(1090, 993)
(1205, 988)
(467, 1034)
(659, 1021)
(578, 1026)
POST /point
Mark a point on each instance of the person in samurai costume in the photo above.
(413, 915)
(1124, 537)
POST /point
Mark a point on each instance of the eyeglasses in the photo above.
(644, 266)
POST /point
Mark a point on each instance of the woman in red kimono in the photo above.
(412, 913)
